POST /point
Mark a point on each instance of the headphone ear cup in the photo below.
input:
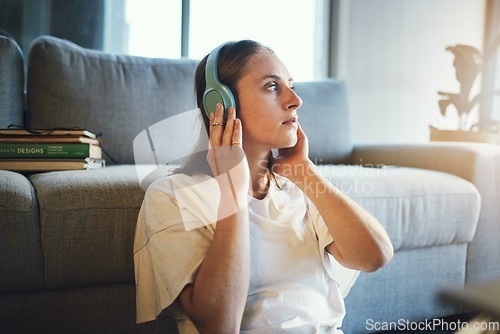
(220, 94)
(210, 100)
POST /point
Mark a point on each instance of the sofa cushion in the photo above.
(11, 83)
(118, 96)
(87, 222)
(324, 116)
(21, 264)
(419, 208)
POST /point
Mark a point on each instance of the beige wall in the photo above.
(392, 55)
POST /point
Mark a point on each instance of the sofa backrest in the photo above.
(11, 83)
(119, 96)
(324, 116)
(116, 96)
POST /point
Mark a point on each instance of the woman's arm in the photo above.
(216, 300)
(360, 242)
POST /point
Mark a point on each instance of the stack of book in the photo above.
(49, 150)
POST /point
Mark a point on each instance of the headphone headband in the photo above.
(211, 71)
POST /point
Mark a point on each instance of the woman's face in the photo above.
(267, 104)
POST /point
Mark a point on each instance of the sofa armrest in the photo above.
(475, 162)
(469, 161)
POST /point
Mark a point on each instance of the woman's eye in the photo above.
(272, 86)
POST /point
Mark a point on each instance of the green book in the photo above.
(49, 150)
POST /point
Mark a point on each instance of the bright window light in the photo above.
(292, 28)
(154, 28)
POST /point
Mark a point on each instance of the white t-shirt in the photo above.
(295, 285)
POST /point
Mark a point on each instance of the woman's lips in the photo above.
(290, 122)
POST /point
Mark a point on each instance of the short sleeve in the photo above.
(167, 255)
(344, 277)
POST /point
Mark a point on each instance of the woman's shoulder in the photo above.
(195, 196)
(171, 183)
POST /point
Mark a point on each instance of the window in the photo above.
(297, 30)
(294, 29)
(153, 28)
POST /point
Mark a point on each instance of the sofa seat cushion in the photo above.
(87, 222)
(419, 208)
(21, 267)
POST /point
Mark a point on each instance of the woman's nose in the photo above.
(294, 101)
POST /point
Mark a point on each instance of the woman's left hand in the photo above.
(360, 240)
(293, 160)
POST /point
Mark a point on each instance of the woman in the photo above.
(231, 244)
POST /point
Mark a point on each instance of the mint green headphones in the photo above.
(215, 91)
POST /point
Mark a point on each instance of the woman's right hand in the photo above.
(215, 301)
(227, 159)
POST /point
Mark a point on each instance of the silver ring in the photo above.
(217, 124)
(235, 143)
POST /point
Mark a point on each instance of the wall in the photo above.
(392, 55)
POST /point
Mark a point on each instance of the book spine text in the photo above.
(34, 150)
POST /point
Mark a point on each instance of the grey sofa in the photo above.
(66, 238)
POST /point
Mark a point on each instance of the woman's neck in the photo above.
(259, 173)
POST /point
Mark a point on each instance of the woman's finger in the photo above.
(228, 131)
(237, 138)
(217, 125)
